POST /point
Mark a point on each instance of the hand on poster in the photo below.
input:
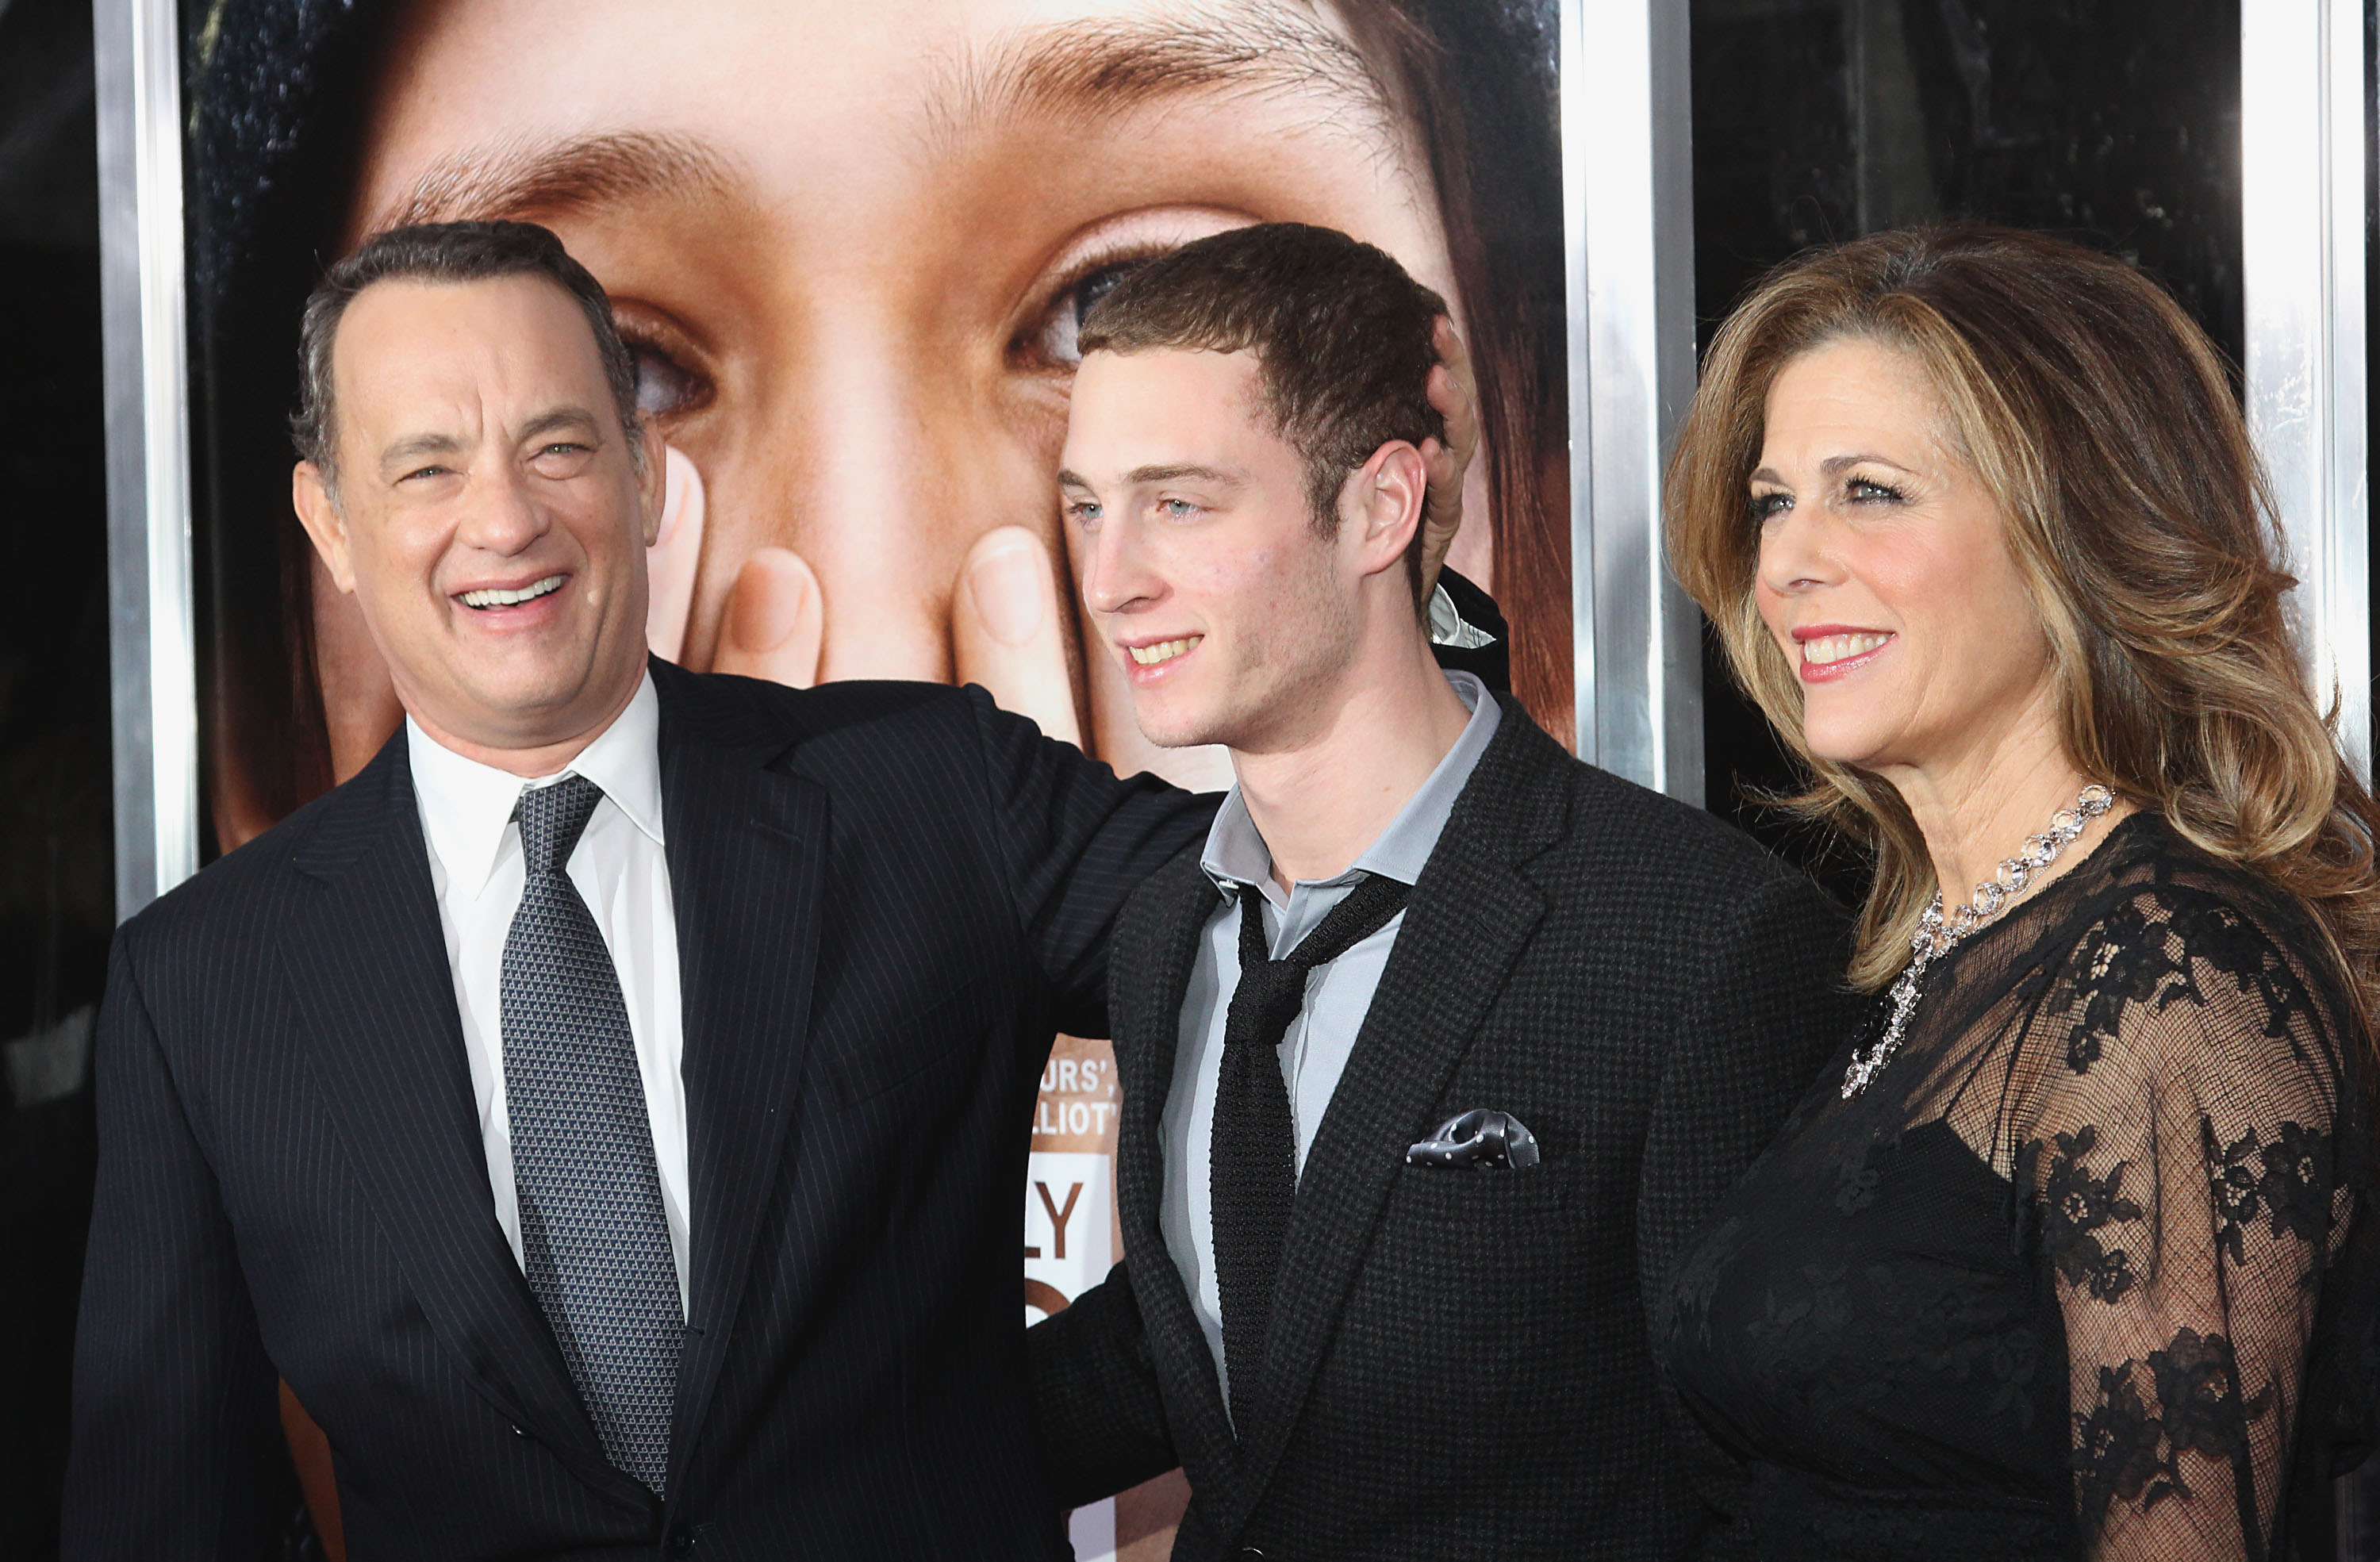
(1008, 630)
(1007, 626)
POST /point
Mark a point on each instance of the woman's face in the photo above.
(851, 244)
(1885, 571)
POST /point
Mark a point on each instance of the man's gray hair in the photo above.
(449, 252)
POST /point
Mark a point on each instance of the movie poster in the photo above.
(851, 246)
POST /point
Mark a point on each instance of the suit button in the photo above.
(1250, 1551)
(522, 1435)
(681, 1543)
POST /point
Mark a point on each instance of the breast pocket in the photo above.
(1485, 1256)
(1468, 1197)
(942, 1030)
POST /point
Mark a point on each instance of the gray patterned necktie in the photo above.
(593, 1238)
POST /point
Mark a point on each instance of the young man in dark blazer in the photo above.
(1438, 1043)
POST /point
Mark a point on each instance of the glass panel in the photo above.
(1819, 120)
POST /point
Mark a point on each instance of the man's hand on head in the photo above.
(1453, 393)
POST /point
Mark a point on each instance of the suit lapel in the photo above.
(1471, 915)
(368, 965)
(747, 849)
(1155, 951)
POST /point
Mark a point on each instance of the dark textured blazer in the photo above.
(1457, 1364)
(888, 896)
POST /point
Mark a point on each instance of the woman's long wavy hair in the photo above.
(2104, 423)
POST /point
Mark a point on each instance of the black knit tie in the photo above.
(1253, 1151)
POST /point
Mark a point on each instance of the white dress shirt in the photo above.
(621, 873)
(1315, 1049)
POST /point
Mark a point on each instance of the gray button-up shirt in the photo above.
(1338, 995)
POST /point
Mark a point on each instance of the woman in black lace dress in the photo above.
(2068, 1255)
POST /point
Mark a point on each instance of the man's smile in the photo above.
(1163, 650)
(506, 597)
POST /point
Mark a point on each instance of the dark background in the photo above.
(57, 873)
(2112, 122)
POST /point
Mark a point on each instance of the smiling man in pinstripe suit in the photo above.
(606, 1111)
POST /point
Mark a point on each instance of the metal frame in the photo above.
(2303, 224)
(2304, 232)
(1628, 237)
(152, 643)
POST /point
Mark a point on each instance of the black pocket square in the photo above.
(1479, 1138)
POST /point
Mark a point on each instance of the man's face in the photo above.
(851, 244)
(489, 517)
(1212, 591)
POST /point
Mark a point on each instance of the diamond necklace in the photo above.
(1937, 936)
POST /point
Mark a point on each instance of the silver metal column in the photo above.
(2302, 227)
(2302, 254)
(1628, 222)
(152, 652)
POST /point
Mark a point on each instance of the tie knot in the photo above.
(551, 819)
(1270, 992)
(1268, 998)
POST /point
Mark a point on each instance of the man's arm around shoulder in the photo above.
(1076, 841)
(174, 1417)
(1096, 1406)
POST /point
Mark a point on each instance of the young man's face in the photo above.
(485, 508)
(1211, 589)
(851, 243)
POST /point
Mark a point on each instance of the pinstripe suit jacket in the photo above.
(1457, 1364)
(888, 897)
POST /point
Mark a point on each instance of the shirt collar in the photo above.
(1236, 853)
(466, 806)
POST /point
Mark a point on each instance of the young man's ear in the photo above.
(310, 494)
(1387, 496)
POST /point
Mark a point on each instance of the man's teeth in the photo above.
(498, 597)
(1838, 648)
(1164, 650)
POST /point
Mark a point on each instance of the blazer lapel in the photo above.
(746, 850)
(1155, 949)
(1468, 920)
(368, 965)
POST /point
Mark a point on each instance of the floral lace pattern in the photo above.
(2088, 1252)
(2123, 1452)
(2075, 1207)
(2286, 1181)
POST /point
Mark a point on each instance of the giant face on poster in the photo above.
(851, 246)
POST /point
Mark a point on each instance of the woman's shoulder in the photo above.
(2171, 964)
(2149, 888)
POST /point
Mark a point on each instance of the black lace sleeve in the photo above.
(2183, 1158)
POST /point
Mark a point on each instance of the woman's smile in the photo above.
(1830, 651)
